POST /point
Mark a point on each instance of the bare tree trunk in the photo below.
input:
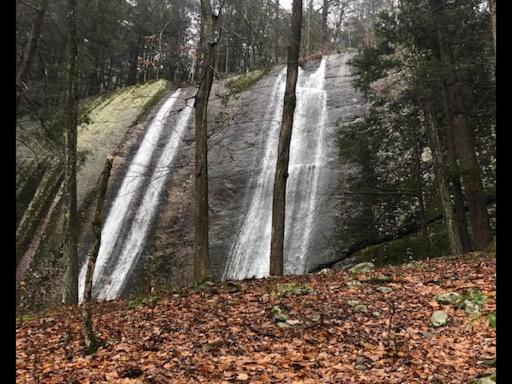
(202, 268)
(91, 342)
(70, 288)
(325, 13)
(30, 49)
(310, 9)
(283, 152)
(492, 6)
(276, 34)
(421, 200)
(458, 197)
(444, 195)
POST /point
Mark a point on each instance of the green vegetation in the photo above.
(491, 318)
(242, 83)
(142, 301)
(291, 289)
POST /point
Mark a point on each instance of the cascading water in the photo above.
(250, 254)
(306, 155)
(124, 233)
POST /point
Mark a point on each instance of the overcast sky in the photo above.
(286, 4)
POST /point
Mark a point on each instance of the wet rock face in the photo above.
(237, 139)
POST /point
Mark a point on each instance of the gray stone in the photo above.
(353, 303)
(353, 284)
(471, 308)
(362, 267)
(345, 263)
(449, 298)
(384, 289)
(360, 308)
(439, 318)
(485, 380)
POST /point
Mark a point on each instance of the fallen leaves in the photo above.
(229, 333)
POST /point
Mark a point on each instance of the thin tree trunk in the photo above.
(325, 14)
(91, 342)
(310, 8)
(492, 6)
(202, 268)
(283, 152)
(421, 200)
(70, 289)
(276, 34)
(444, 195)
(30, 49)
(227, 56)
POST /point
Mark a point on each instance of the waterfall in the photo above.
(124, 232)
(306, 153)
(250, 253)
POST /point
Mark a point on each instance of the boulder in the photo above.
(449, 298)
(362, 267)
(360, 308)
(384, 289)
(439, 318)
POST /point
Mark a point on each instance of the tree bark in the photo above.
(283, 152)
(492, 6)
(30, 49)
(276, 34)
(421, 199)
(325, 14)
(464, 140)
(70, 289)
(91, 342)
(442, 183)
(202, 268)
(458, 196)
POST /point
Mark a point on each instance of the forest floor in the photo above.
(330, 327)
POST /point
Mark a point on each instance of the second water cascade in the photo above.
(250, 253)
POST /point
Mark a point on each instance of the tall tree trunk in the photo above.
(421, 199)
(310, 9)
(283, 151)
(276, 34)
(458, 196)
(444, 195)
(492, 6)
(202, 268)
(70, 289)
(30, 49)
(91, 342)
(325, 14)
(463, 134)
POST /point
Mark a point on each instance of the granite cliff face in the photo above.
(242, 142)
(239, 135)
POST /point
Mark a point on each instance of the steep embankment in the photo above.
(332, 327)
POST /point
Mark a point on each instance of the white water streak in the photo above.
(250, 255)
(118, 215)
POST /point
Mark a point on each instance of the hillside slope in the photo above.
(306, 329)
